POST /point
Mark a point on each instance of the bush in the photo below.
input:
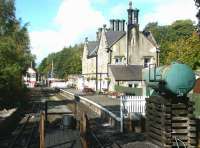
(129, 90)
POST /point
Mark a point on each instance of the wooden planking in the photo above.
(167, 120)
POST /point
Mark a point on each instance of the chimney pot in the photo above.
(112, 25)
(136, 15)
(117, 25)
(121, 25)
(130, 4)
(100, 30)
(130, 14)
(86, 39)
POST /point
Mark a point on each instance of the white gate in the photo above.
(131, 104)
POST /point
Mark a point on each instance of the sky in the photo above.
(55, 24)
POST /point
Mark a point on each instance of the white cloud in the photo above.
(77, 19)
(100, 1)
(45, 42)
(74, 19)
(167, 12)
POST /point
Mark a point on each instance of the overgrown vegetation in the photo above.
(66, 62)
(129, 90)
(196, 98)
(178, 42)
(15, 55)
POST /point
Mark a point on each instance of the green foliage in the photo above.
(129, 90)
(196, 99)
(15, 55)
(67, 61)
(185, 51)
(171, 35)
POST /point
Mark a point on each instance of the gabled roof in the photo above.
(127, 72)
(114, 36)
(31, 70)
(150, 37)
(92, 48)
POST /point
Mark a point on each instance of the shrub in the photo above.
(129, 90)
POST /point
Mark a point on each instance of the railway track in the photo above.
(102, 142)
(98, 134)
(26, 134)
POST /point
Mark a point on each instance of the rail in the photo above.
(89, 138)
(21, 135)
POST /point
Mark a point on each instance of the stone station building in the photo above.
(118, 54)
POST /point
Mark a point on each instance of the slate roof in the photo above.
(92, 48)
(114, 36)
(127, 72)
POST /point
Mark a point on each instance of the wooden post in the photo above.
(83, 130)
(41, 128)
(130, 123)
(75, 109)
(46, 110)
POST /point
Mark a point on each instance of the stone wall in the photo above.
(140, 47)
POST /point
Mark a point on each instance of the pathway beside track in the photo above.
(108, 135)
(109, 105)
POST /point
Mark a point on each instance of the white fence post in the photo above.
(121, 115)
(133, 104)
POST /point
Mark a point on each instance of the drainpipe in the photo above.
(100, 81)
(110, 60)
(96, 71)
(127, 45)
(157, 56)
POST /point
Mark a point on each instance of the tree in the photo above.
(185, 51)
(15, 55)
(67, 61)
(168, 34)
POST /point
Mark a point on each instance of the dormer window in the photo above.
(116, 60)
(119, 59)
(146, 62)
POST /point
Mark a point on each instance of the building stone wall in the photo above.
(140, 47)
(91, 65)
(103, 55)
(84, 60)
(119, 50)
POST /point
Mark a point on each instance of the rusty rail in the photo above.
(88, 137)
(41, 130)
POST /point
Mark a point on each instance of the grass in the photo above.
(196, 98)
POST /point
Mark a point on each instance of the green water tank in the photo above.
(175, 78)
